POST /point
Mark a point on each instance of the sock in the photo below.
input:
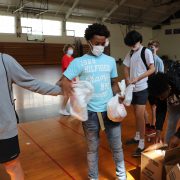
(141, 144)
(152, 127)
(137, 136)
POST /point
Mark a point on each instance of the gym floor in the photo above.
(53, 146)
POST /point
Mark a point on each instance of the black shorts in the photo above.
(9, 149)
(152, 100)
(140, 98)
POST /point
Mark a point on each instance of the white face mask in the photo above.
(97, 50)
(70, 52)
(136, 46)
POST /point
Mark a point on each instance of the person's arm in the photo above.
(126, 64)
(115, 87)
(74, 69)
(114, 75)
(66, 85)
(144, 75)
(161, 110)
(127, 75)
(18, 75)
(175, 140)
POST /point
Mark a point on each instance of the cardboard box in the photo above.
(174, 173)
(153, 163)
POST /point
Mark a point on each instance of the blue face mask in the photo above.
(152, 50)
(70, 52)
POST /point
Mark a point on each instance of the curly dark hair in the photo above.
(96, 29)
(132, 37)
(158, 84)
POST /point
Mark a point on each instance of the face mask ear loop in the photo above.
(106, 43)
(90, 44)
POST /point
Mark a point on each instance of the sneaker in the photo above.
(120, 178)
(137, 153)
(132, 141)
(151, 132)
(64, 112)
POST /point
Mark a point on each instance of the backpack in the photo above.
(173, 74)
(144, 60)
(142, 56)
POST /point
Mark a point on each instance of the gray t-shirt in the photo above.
(16, 74)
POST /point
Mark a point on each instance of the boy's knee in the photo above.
(12, 166)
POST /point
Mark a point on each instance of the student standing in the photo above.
(136, 73)
(100, 70)
(66, 60)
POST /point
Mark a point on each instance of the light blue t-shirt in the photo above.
(158, 63)
(99, 71)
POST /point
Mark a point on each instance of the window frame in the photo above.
(43, 21)
(75, 25)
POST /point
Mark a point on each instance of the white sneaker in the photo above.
(118, 178)
(64, 112)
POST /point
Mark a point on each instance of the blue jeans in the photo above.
(113, 132)
(173, 118)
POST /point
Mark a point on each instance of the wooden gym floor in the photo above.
(53, 146)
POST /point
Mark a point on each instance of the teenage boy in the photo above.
(100, 70)
(135, 72)
(168, 100)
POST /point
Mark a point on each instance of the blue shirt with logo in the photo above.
(98, 70)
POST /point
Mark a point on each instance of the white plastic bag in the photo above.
(122, 87)
(116, 111)
(83, 91)
(128, 95)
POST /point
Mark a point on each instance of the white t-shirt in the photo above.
(137, 67)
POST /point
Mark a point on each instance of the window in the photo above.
(41, 27)
(168, 31)
(176, 31)
(7, 24)
(75, 29)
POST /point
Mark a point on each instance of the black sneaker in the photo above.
(137, 153)
(132, 141)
